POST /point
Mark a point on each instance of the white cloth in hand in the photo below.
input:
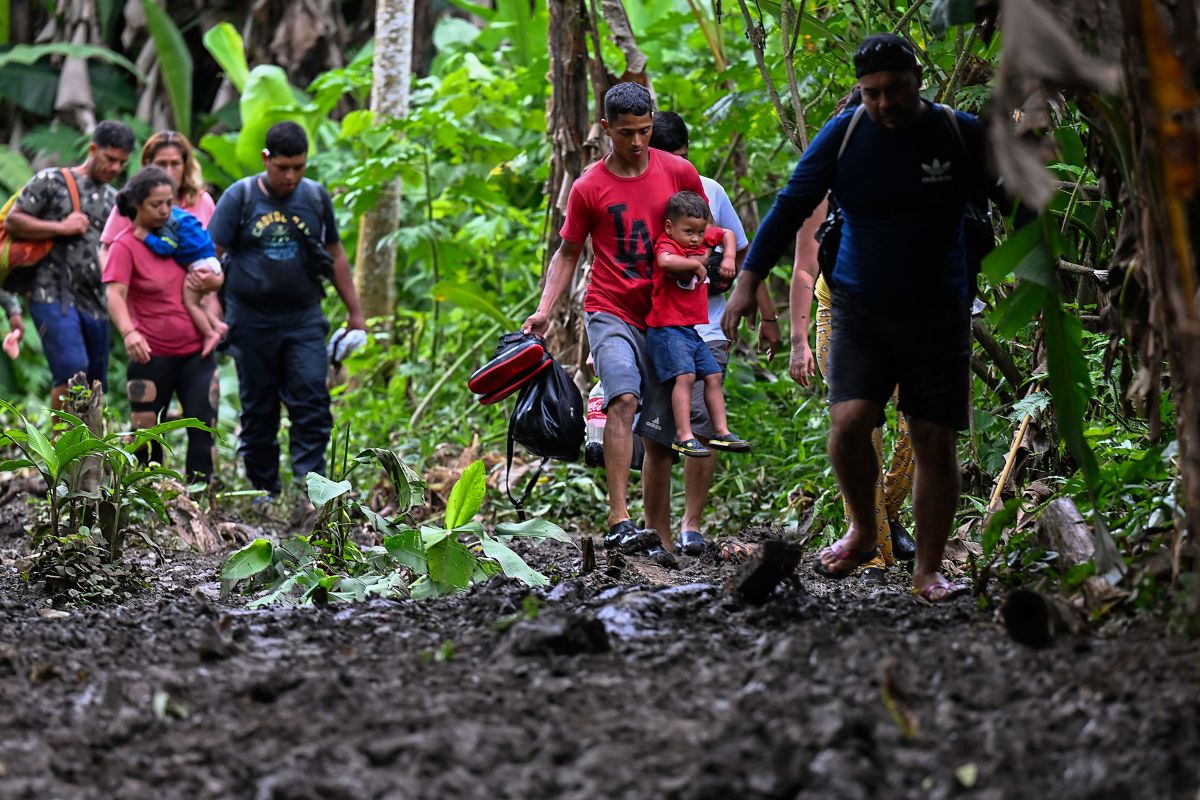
(344, 342)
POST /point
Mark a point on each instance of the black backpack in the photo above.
(547, 420)
(977, 224)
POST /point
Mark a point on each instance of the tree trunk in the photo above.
(87, 403)
(375, 277)
(567, 126)
(1165, 134)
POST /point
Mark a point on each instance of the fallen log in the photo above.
(1035, 619)
(1062, 528)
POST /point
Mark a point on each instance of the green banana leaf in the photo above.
(175, 62)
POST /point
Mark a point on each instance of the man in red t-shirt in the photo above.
(620, 202)
(678, 303)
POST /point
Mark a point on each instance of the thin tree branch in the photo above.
(789, 63)
(733, 146)
(757, 36)
(912, 9)
(997, 354)
(960, 65)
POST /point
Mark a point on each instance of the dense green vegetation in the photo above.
(473, 157)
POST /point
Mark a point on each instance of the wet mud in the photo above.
(636, 682)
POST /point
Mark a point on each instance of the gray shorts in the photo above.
(701, 424)
(624, 367)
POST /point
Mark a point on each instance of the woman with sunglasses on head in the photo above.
(171, 152)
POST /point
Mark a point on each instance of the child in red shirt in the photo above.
(679, 302)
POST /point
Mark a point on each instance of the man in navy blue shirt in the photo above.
(281, 241)
(902, 171)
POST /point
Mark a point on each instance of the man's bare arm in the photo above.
(558, 278)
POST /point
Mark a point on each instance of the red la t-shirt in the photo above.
(624, 216)
(155, 297)
(670, 303)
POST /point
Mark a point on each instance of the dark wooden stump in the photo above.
(774, 561)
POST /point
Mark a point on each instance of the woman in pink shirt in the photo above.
(172, 152)
(145, 303)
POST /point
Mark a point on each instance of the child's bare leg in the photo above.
(681, 405)
(714, 398)
(193, 302)
(213, 307)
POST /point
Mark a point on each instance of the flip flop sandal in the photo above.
(948, 589)
(730, 443)
(841, 554)
(691, 447)
(690, 543)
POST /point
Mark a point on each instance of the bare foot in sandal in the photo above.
(935, 588)
(844, 556)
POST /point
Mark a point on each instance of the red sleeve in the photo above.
(578, 222)
(119, 267)
(665, 244)
(713, 236)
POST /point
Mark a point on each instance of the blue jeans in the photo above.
(72, 341)
(282, 362)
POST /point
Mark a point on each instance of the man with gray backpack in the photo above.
(901, 302)
(279, 240)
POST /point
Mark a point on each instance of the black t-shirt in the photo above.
(266, 268)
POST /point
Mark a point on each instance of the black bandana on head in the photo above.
(883, 52)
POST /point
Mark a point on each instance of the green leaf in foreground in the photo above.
(250, 560)
(536, 528)
(406, 548)
(321, 490)
(466, 497)
(512, 564)
(410, 487)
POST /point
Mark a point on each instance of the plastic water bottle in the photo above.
(593, 426)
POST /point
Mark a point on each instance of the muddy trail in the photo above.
(630, 683)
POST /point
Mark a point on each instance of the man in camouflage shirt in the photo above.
(67, 298)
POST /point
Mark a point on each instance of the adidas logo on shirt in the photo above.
(937, 172)
(655, 423)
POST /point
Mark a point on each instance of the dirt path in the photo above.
(615, 690)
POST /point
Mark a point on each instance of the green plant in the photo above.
(429, 561)
(77, 570)
(103, 507)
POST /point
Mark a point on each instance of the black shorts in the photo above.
(926, 354)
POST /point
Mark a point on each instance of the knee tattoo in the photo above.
(141, 391)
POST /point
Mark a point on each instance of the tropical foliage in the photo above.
(755, 80)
